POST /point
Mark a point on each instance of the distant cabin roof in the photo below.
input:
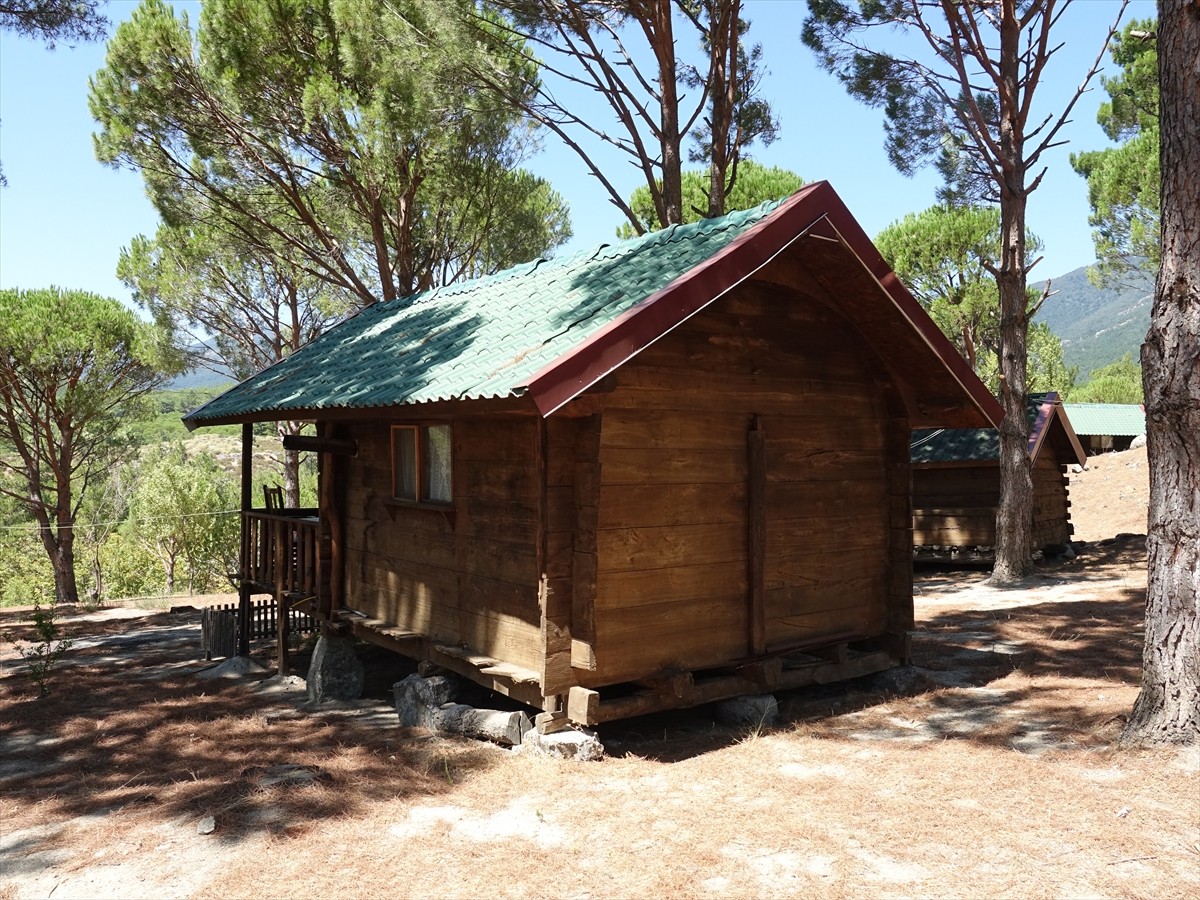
(549, 329)
(1048, 424)
(1116, 419)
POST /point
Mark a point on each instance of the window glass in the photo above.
(437, 464)
(404, 445)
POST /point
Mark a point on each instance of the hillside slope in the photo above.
(1097, 325)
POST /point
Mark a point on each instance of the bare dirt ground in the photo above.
(1111, 496)
(987, 769)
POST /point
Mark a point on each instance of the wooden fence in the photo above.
(219, 625)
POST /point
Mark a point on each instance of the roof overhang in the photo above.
(812, 217)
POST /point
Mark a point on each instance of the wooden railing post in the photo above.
(280, 536)
(243, 618)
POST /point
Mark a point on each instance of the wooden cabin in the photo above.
(666, 471)
(956, 481)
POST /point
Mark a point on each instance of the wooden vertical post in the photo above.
(555, 635)
(900, 619)
(243, 618)
(282, 541)
(335, 469)
(540, 463)
(756, 515)
(326, 466)
(584, 551)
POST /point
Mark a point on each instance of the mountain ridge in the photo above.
(1097, 325)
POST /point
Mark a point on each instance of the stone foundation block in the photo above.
(335, 673)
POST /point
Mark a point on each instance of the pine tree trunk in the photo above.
(669, 140)
(1167, 710)
(58, 540)
(723, 47)
(62, 561)
(291, 466)
(1014, 516)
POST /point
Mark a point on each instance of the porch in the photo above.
(280, 555)
(280, 550)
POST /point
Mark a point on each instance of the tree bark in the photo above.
(723, 47)
(1167, 710)
(1014, 551)
(62, 561)
(661, 35)
(58, 542)
(291, 465)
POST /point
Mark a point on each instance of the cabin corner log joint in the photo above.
(673, 470)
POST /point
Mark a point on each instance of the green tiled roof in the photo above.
(933, 445)
(938, 445)
(478, 339)
(1117, 419)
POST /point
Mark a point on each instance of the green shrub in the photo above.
(25, 574)
(130, 569)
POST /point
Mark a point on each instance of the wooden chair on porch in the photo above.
(273, 494)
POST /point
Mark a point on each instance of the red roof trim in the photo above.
(1051, 410)
(584, 365)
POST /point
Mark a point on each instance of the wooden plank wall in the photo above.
(955, 505)
(671, 583)
(471, 577)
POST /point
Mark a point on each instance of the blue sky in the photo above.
(64, 217)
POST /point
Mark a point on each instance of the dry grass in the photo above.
(990, 773)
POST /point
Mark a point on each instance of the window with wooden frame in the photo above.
(421, 464)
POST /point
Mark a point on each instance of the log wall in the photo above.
(616, 542)
(955, 504)
(470, 576)
(1051, 503)
(673, 582)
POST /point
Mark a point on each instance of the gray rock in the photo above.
(207, 825)
(429, 703)
(749, 711)
(580, 744)
(416, 698)
(335, 673)
(1139, 441)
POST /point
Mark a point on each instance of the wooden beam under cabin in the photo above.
(588, 707)
(523, 685)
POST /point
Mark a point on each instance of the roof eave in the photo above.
(512, 403)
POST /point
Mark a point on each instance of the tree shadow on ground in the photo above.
(136, 731)
(1053, 675)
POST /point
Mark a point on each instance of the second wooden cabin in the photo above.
(668, 471)
(956, 481)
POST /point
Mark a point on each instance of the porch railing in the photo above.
(279, 550)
